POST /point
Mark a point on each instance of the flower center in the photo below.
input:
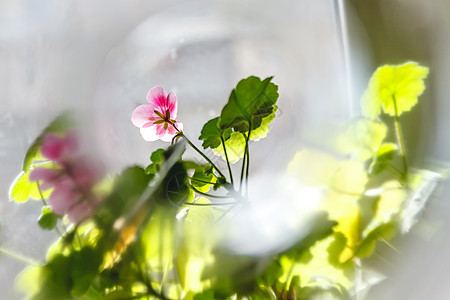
(164, 119)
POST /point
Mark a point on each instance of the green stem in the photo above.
(243, 163)
(208, 195)
(209, 204)
(400, 139)
(45, 204)
(247, 146)
(202, 154)
(40, 193)
(19, 257)
(225, 213)
(202, 181)
(163, 281)
(228, 162)
(395, 170)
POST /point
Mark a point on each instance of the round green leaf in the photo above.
(394, 88)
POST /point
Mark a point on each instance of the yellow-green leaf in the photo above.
(160, 241)
(394, 88)
(263, 129)
(59, 125)
(388, 206)
(385, 231)
(22, 189)
(312, 167)
(318, 267)
(195, 245)
(235, 147)
(362, 138)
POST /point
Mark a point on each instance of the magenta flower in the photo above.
(156, 120)
(57, 148)
(72, 178)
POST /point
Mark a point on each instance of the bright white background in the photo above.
(101, 57)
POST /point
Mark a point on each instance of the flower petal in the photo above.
(63, 198)
(142, 115)
(71, 140)
(157, 96)
(179, 125)
(149, 133)
(48, 177)
(86, 173)
(160, 131)
(81, 211)
(167, 135)
(55, 147)
(172, 105)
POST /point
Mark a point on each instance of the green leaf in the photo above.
(199, 215)
(28, 280)
(195, 245)
(386, 210)
(421, 185)
(128, 186)
(272, 273)
(118, 295)
(319, 266)
(263, 129)
(385, 231)
(203, 178)
(211, 134)
(158, 242)
(336, 248)
(59, 125)
(333, 291)
(55, 282)
(383, 154)
(362, 138)
(385, 151)
(391, 85)
(206, 295)
(84, 269)
(389, 205)
(250, 102)
(251, 107)
(157, 156)
(235, 147)
(48, 219)
(22, 189)
(157, 159)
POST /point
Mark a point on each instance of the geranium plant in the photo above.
(161, 231)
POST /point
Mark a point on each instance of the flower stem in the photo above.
(228, 162)
(202, 154)
(395, 170)
(208, 195)
(19, 257)
(225, 213)
(244, 160)
(202, 181)
(45, 204)
(210, 204)
(247, 146)
(400, 139)
(163, 280)
(40, 193)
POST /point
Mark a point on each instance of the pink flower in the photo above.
(57, 148)
(156, 120)
(72, 179)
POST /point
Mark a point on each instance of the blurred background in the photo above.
(101, 57)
